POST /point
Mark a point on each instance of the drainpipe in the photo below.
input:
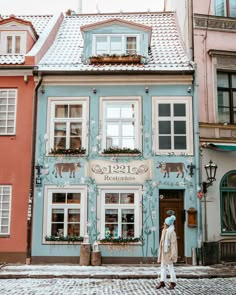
(32, 176)
(197, 153)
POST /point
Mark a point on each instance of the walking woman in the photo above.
(168, 252)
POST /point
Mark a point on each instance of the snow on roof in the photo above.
(166, 52)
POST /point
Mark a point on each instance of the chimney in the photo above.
(80, 6)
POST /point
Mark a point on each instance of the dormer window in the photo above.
(115, 44)
(13, 43)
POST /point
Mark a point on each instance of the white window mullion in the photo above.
(66, 209)
(68, 134)
(172, 129)
(119, 222)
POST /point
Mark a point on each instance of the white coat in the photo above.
(172, 254)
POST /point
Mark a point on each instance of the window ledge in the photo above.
(4, 236)
(121, 154)
(62, 243)
(119, 244)
(67, 155)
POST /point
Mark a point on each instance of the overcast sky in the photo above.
(88, 6)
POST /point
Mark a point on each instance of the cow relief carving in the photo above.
(166, 168)
(60, 168)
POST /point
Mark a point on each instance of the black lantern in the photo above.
(211, 175)
(38, 179)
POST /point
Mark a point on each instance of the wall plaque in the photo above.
(111, 172)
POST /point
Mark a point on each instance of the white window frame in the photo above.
(7, 210)
(188, 118)
(7, 112)
(137, 206)
(6, 34)
(123, 42)
(52, 102)
(104, 101)
(48, 206)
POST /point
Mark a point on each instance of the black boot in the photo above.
(172, 286)
(161, 285)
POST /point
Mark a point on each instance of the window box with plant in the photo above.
(121, 151)
(119, 240)
(68, 152)
(63, 239)
(116, 59)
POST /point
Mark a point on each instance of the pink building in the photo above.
(209, 32)
(22, 46)
(215, 57)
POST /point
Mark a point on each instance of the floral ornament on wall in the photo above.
(149, 232)
(93, 192)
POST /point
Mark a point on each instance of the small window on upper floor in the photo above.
(226, 92)
(8, 99)
(13, 43)
(225, 8)
(115, 44)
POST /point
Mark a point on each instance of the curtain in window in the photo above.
(17, 44)
(232, 209)
(229, 211)
(131, 45)
(9, 44)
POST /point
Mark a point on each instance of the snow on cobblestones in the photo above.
(114, 287)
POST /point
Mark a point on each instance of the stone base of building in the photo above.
(104, 260)
(13, 257)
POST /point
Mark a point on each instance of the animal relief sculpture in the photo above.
(166, 168)
(60, 168)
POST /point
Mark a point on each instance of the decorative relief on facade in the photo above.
(106, 171)
(120, 169)
(214, 23)
(167, 168)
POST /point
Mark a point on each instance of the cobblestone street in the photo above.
(226, 286)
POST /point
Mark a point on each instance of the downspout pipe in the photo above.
(197, 153)
(32, 176)
(197, 133)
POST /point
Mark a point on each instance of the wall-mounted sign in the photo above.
(110, 172)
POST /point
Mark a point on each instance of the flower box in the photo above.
(129, 59)
(63, 239)
(120, 240)
(121, 152)
(59, 152)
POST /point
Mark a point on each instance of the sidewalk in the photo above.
(10, 271)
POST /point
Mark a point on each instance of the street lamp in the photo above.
(211, 176)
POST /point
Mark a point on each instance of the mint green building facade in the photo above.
(116, 143)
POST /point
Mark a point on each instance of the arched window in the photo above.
(228, 203)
